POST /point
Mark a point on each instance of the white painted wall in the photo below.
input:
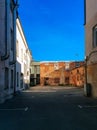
(24, 56)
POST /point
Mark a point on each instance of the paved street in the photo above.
(47, 108)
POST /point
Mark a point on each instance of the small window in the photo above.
(77, 64)
(30, 71)
(57, 80)
(77, 71)
(56, 66)
(17, 48)
(6, 78)
(27, 73)
(21, 54)
(95, 37)
(11, 78)
(11, 33)
(17, 79)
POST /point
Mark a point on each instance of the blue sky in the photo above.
(54, 28)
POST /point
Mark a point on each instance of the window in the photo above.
(21, 54)
(17, 79)
(95, 36)
(11, 78)
(56, 66)
(17, 48)
(6, 78)
(67, 80)
(30, 70)
(38, 69)
(11, 14)
(57, 80)
(11, 39)
(77, 71)
(77, 64)
(67, 66)
(27, 73)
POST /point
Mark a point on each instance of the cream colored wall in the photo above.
(91, 21)
(91, 9)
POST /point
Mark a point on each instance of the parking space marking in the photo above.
(87, 106)
(15, 109)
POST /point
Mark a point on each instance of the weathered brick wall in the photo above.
(77, 76)
(51, 75)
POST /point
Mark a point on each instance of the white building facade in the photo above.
(23, 55)
(15, 56)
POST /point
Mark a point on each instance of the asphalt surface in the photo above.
(47, 108)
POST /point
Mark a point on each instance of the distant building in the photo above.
(53, 73)
(91, 44)
(62, 73)
(34, 73)
(77, 73)
(8, 14)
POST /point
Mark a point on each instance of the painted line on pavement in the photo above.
(87, 106)
(15, 109)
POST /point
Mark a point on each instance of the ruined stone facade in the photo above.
(62, 73)
(52, 73)
(77, 73)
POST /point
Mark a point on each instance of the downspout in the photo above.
(14, 32)
(7, 12)
(14, 43)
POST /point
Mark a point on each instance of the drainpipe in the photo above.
(14, 32)
(7, 12)
(14, 43)
(86, 60)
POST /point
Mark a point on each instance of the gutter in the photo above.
(14, 32)
(7, 11)
(14, 43)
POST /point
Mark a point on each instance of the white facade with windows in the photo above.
(23, 58)
(15, 56)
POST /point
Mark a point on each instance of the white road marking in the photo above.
(86, 106)
(26, 109)
(80, 106)
(41, 91)
(15, 109)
